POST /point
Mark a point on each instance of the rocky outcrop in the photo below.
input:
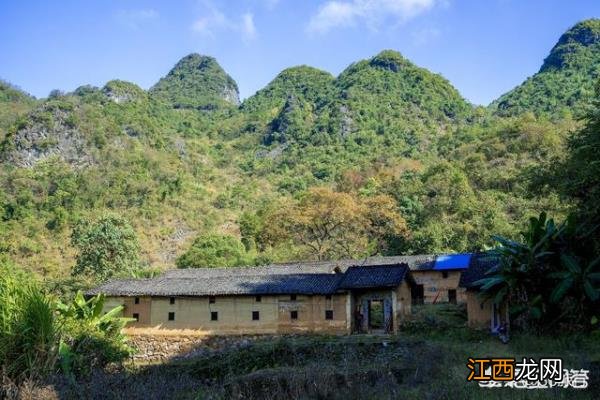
(50, 132)
(122, 91)
(230, 94)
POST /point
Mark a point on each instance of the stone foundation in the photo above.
(157, 347)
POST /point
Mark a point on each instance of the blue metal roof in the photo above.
(452, 261)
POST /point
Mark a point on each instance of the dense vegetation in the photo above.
(197, 82)
(40, 335)
(551, 278)
(187, 175)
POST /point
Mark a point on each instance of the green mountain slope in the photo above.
(182, 159)
(197, 82)
(288, 107)
(565, 82)
(388, 88)
(383, 98)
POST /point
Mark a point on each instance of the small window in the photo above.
(136, 316)
(258, 299)
(293, 297)
(137, 300)
(172, 300)
(294, 314)
(214, 316)
(171, 316)
(328, 297)
(481, 305)
(444, 274)
(211, 299)
(328, 314)
(255, 316)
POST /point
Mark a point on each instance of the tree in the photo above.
(332, 224)
(385, 223)
(105, 247)
(214, 250)
(579, 176)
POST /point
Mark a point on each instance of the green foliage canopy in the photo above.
(105, 247)
(214, 250)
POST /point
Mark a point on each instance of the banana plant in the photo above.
(90, 311)
(545, 277)
(513, 277)
(83, 320)
(575, 277)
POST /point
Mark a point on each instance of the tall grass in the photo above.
(28, 332)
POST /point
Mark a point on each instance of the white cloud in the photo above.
(337, 13)
(214, 21)
(134, 19)
(248, 28)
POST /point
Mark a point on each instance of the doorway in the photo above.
(418, 294)
(452, 296)
(376, 315)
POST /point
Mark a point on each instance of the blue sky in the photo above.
(484, 47)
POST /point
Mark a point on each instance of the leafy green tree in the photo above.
(579, 176)
(214, 250)
(250, 227)
(106, 247)
(577, 277)
(330, 225)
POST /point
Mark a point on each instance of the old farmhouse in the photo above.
(341, 297)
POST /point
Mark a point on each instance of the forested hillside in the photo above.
(385, 158)
(565, 83)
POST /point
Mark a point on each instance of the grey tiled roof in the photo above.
(316, 277)
(275, 269)
(416, 262)
(308, 267)
(223, 285)
(364, 277)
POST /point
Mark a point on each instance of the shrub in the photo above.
(28, 330)
(106, 247)
(214, 251)
(91, 338)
